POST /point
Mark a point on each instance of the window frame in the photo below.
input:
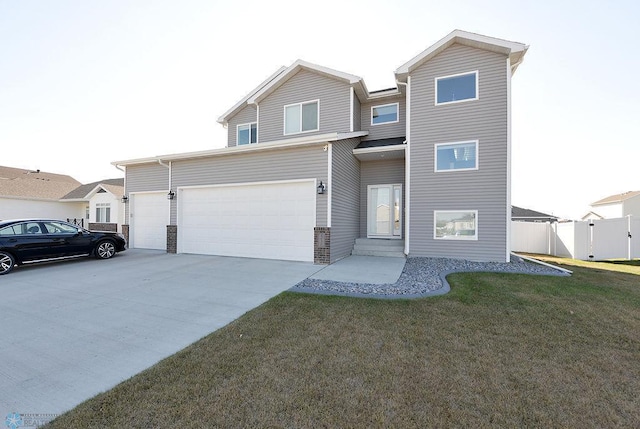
(464, 142)
(477, 96)
(106, 207)
(238, 133)
(284, 119)
(397, 104)
(455, 237)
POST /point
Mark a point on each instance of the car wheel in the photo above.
(6, 263)
(105, 249)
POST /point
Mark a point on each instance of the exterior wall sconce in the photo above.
(124, 199)
(321, 188)
(171, 195)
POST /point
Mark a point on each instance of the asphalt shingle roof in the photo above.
(18, 182)
(115, 186)
(520, 213)
(617, 198)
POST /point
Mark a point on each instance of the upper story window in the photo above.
(456, 156)
(301, 117)
(103, 212)
(247, 133)
(384, 114)
(457, 88)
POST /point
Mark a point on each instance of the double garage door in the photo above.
(273, 220)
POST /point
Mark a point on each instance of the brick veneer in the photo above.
(102, 226)
(172, 238)
(321, 245)
(125, 232)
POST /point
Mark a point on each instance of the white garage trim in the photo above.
(149, 215)
(268, 219)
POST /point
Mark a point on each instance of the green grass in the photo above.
(500, 350)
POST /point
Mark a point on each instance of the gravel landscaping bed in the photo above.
(422, 277)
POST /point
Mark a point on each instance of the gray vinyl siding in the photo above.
(388, 172)
(484, 190)
(305, 86)
(345, 193)
(145, 178)
(357, 109)
(308, 162)
(384, 131)
(246, 115)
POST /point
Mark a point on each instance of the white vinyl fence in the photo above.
(587, 240)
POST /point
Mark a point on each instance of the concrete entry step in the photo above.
(378, 247)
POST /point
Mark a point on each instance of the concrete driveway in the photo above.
(73, 329)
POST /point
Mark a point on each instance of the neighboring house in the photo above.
(35, 193)
(314, 161)
(104, 209)
(614, 206)
(526, 215)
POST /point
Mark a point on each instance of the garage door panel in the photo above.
(149, 220)
(272, 221)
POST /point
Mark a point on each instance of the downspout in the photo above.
(169, 167)
(407, 164)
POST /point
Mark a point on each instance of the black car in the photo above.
(25, 241)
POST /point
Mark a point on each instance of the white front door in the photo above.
(384, 211)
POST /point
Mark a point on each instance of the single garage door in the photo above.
(272, 221)
(149, 214)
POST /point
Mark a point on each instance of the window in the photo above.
(456, 156)
(385, 114)
(457, 88)
(60, 228)
(455, 225)
(301, 117)
(247, 133)
(11, 230)
(103, 212)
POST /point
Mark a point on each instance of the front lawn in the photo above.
(500, 350)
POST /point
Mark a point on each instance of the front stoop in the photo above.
(378, 247)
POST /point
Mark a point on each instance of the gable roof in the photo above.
(18, 182)
(298, 65)
(527, 214)
(617, 198)
(85, 192)
(515, 50)
(242, 103)
(592, 215)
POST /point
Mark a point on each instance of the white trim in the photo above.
(508, 208)
(435, 156)
(273, 84)
(351, 101)
(390, 148)
(257, 123)
(388, 122)
(284, 117)
(273, 145)
(238, 132)
(240, 104)
(407, 171)
(386, 93)
(459, 237)
(329, 182)
(477, 97)
(515, 49)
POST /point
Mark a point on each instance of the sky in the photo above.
(83, 84)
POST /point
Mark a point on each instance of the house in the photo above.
(37, 194)
(104, 209)
(614, 206)
(316, 165)
(527, 215)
